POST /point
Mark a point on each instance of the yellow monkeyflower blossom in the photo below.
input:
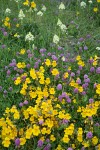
(36, 130)
(66, 139)
(55, 72)
(52, 91)
(95, 140)
(95, 9)
(22, 141)
(52, 138)
(33, 5)
(48, 62)
(6, 142)
(26, 3)
(22, 51)
(17, 81)
(7, 18)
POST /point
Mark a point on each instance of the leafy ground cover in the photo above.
(50, 75)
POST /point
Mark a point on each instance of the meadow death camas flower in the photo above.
(40, 13)
(61, 6)
(7, 11)
(43, 8)
(59, 23)
(83, 4)
(55, 39)
(21, 14)
(90, 1)
(29, 37)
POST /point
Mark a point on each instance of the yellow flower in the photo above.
(59, 147)
(81, 63)
(52, 138)
(33, 5)
(65, 139)
(47, 81)
(16, 115)
(95, 9)
(21, 131)
(26, 3)
(6, 142)
(21, 65)
(28, 133)
(32, 73)
(33, 94)
(80, 89)
(17, 25)
(44, 130)
(36, 130)
(54, 64)
(52, 91)
(66, 75)
(23, 91)
(48, 62)
(67, 116)
(22, 141)
(6, 23)
(55, 72)
(17, 81)
(85, 143)
(79, 138)
(7, 18)
(78, 58)
(49, 123)
(22, 51)
(94, 140)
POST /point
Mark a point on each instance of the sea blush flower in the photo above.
(17, 142)
(40, 143)
(29, 37)
(55, 39)
(61, 6)
(59, 87)
(89, 135)
(21, 14)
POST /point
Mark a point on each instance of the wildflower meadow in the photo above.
(50, 75)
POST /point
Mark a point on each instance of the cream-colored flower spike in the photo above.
(62, 6)
(29, 37)
(59, 23)
(63, 27)
(8, 11)
(55, 39)
(40, 13)
(83, 4)
(43, 8)
(21, 14)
